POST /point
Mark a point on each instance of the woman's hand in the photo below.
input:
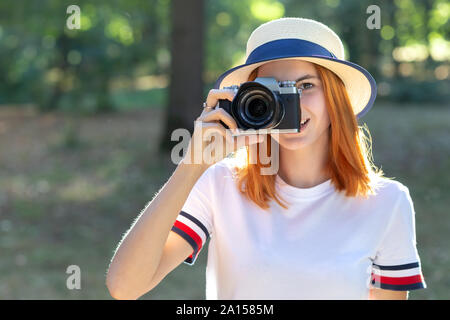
(204, 148)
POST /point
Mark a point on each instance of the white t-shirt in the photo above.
(325, 246)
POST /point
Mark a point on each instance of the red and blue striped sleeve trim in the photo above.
(193, 231)
(398, 277)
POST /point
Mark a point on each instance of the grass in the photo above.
(71, 186)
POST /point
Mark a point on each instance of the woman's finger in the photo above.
(217, 115)
(215, 95)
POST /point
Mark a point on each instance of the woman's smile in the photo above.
(304, 125)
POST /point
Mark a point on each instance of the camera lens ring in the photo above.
(274, 111)
(257, 109)
(249, 96)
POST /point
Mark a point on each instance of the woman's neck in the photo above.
(305, 167)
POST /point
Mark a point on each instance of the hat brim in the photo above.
(359, 83)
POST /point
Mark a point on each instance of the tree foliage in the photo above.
(43, 62)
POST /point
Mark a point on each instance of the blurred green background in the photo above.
(85, 118)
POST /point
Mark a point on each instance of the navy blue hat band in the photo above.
(292, 48)
(287, 48)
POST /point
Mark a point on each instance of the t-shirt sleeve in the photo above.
(397, 263)
(194, 222)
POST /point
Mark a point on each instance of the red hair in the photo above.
(349, 164)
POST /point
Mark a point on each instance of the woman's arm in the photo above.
(138, 255)
(383, 294)
(148, 251)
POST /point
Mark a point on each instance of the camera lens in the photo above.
(257, 107)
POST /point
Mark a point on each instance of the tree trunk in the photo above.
(186, 84)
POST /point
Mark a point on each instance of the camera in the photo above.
(264, 104)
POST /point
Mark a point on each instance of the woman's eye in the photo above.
(305, 85)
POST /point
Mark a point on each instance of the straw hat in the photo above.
(308, 40)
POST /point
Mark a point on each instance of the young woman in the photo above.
(326, 225)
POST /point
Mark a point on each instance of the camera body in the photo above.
(264, 105)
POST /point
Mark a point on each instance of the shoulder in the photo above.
(390, 192)
(389, 185)
(220, 174)
(223, 169)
